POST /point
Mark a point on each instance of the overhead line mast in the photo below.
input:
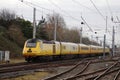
(109, 8)
(34, 23)
(81, 35)
(113, 42)
(106, 24)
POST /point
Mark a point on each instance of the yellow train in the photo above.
(36, 49)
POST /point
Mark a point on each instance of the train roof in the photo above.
(33, 40)
(83, 44)
(70, 43)
(53, 42)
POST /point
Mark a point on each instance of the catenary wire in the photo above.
(62, 10)
(76, 2)
(67, 15)
(97, 10)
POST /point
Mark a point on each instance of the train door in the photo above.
(54, 48)
(79, 49)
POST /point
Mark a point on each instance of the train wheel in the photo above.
(28, 59)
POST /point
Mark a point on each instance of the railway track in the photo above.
(19, 69)
(25, 63)
(96, 75)
(107, 71)
(13, 64)
(70, 71)
(117, 76)
(29, 66)
(26, 68)
(67, 75)
(4, 68)
(76, 70)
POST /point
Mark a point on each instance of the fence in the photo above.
(4, 56)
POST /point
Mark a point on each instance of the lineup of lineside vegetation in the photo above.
(14, 31)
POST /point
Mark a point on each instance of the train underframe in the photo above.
(59, 57)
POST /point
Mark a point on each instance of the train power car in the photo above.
(36, 49)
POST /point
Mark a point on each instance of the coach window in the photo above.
(64, 47)
(84, 48)
(73, 48)
(93, 49)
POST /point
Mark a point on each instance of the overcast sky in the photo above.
(72, 10)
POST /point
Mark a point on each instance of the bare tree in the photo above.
(53, 19)
(63, 33)
(7, 15)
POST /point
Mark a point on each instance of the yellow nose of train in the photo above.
(31, 48)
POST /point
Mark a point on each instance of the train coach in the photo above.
(36, 49)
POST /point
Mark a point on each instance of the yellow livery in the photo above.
(36, 49)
